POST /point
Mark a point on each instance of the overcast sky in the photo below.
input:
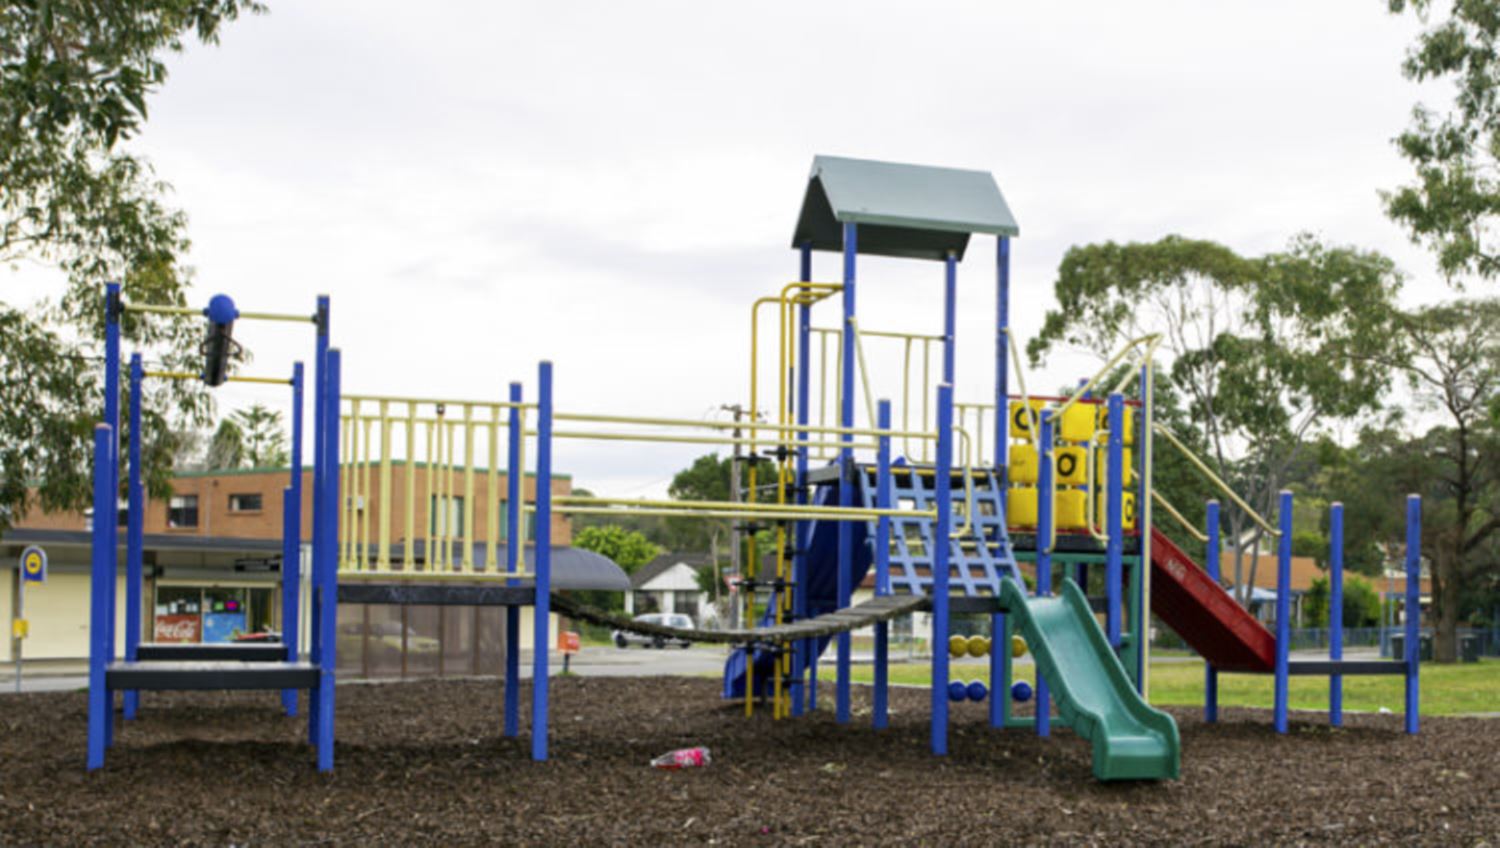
(609, 185)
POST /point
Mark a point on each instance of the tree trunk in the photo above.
(1445, 587)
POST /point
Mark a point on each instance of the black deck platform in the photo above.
(224, 674)
(235, 651)
(493, 594)
(1323, 668)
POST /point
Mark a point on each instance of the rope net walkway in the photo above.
(872, 611)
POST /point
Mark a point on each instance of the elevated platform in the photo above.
(162, 675)
(233, 651)
(490, 594)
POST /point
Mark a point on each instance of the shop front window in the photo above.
(179, 614)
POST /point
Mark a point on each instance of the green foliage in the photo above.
(707, 479)
(263, 436)
(227, 447)
(629, 549)
(1361, 604)
(75, 77)
(1451, 206)
(1266, 351)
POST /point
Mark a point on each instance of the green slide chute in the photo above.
(1132, 740)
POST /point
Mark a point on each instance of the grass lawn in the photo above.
(1446, 689)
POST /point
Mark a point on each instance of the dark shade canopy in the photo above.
(912, 211)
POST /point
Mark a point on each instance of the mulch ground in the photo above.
(424, 763)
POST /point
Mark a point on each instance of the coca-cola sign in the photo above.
(178, 628)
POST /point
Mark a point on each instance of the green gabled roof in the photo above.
(912, 211)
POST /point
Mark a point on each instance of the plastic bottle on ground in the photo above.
(683, 758)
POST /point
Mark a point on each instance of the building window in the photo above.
(504, 523)
(182, 511)
(445, 516)
(245, 502)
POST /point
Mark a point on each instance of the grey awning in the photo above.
(913, 211)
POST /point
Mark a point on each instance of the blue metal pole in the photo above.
(291, 543)
(135, 548)
(1114, 518)
(101, 575)
(804, 657)
(325, 521)
(1283, 609)
(846, 469)
(943, 501)
(883, 500)
(1044, 503)
(543, 603)
(515, 544)
(110, 518)
(999, 656)
(326, 593)
(1336, 612)
(950, 316)
(1211, 674)
(1413, 606)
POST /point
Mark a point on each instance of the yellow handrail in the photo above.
(1172, 511)
(1214, 478)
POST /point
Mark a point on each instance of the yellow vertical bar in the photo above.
(492, 494)
(384, 553)
(409, 555)
(450, 533)
(468, 558)
(346, 473)
(364, 490)
(926, 391)
(431, 501)
(518, 533)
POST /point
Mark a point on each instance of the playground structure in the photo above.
(944, 528)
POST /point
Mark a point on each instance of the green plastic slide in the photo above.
(1132, 740)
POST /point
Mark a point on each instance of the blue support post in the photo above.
(883, 500)
(135, 548)
(325, 595)
(1211, 674)
(113, 306)
(943, 501)
(1114, 518)
(846, 470)
(1413, 606)
(1044, 505)
(1336, 611)
(325, 520)
(1283, 609)
(999, 664)
(804, 656)
(543, 581)
(101, 576)
(291, 544)
(950, 315)
(515, 543)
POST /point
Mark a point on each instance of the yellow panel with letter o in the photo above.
(1020, 422)
(1129, 415)
(1072, 467)
(1024, 467)
(1070, 508)
(1077, 423)
(1127, 512)
(1020, 507)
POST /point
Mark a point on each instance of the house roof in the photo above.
(912, 211)
(1304, 571)
(663, 563)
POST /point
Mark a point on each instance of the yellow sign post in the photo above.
(33, 570)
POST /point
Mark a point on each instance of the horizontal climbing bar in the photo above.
(697, 440)
(600, 418)
(586, 500)
(197, 312)
(887, 334)
(233, 378)
(845, 515)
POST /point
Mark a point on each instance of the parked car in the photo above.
(676, 620)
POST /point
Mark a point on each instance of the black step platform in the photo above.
(223, 674)
(1321, 668)
(237, 651)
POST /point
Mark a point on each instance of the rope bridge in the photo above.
(872, 611)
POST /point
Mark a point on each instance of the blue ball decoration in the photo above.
(957, 691)
(977, 690)
(1020, 691)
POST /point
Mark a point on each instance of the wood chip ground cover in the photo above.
(425, 764)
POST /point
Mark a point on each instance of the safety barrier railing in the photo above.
(422, 484)
(1217, 482)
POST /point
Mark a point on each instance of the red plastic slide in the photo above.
(1203, 614)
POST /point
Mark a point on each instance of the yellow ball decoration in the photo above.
(958, 645)
(978, 646)
(1017, 646)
